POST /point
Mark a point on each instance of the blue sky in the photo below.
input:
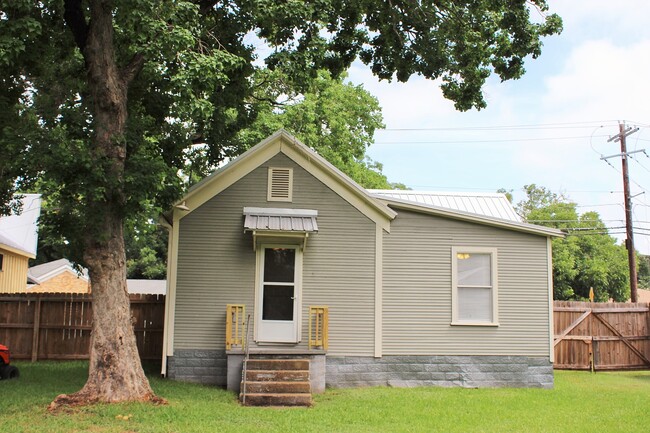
(594, 74)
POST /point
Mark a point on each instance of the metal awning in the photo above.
(280, 224)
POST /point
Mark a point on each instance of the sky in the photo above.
(549, 128)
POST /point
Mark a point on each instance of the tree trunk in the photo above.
(115, 372)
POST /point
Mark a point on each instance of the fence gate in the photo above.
(601, 336)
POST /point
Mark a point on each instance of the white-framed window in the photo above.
(474, 286)
(280, 184)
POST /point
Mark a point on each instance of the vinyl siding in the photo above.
(216, 263)
(417, 290)
(13, 276)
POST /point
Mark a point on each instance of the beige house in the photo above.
(18, 241)
(58, 276)
(370, 287)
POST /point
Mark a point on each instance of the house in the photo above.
(18, 242)
(371, 287)
(60, 276)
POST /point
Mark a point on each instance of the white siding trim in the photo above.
(379, 262)
(551, 346)
(170, 299)
(454, 285)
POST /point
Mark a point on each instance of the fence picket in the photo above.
(51, 326)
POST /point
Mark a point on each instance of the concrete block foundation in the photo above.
(216, 367)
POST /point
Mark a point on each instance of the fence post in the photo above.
(37, 329)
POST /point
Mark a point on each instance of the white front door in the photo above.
(278, 294)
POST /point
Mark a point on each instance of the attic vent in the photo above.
(280, 184)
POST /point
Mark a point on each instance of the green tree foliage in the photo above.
(643, 271)
(103, 99)
(587, 257)
(335, 118)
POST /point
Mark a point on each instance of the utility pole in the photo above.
(629, 242)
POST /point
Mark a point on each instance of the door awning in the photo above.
(281, 225)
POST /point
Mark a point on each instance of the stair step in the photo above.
(277, 375)
(296, 399)
(290, 387)
(278, 364)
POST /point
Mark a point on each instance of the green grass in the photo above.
(580, 402)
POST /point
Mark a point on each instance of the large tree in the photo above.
(101, 98)
(588, 257)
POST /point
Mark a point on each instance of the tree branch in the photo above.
(75, 19)
(130, 71)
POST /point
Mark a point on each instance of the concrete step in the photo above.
(278, 364)
(277, 387)
(263, 399)
(277, 375)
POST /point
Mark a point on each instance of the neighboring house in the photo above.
(18, 241)
(60, 276)
(419, 290)
(146, 287)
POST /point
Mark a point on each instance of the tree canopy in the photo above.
(102, 99)
(588, 256)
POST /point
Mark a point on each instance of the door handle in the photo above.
(293, 298)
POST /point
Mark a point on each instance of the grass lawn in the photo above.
(580, 402)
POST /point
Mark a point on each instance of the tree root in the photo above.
(65, 402)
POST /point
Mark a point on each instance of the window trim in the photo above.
(269, 191)
(455, 320)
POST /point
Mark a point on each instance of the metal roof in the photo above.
(20, 231)
(277, 219)
(493, 205)
(147, 287)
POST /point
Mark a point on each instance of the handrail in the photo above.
(245, 363)
(235, 325)
(318, 326)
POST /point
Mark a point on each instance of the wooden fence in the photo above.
(601, 336)
(57, 326)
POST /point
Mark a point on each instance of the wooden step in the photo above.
(277, 387)
(264, 399)
(278, 364)
(277, 375)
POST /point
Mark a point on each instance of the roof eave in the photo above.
(311, 156)
(18, 251)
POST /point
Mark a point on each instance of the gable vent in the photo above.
(280, 184)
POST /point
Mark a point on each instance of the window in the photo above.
(1, 262)
(280, 184)
(474, 286)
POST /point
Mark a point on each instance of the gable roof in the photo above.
(316, 165)
(40, 273)
(19, 233)
(43, 272)
(491, 204)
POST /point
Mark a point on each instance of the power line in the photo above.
(565, 125)
(504, 140)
